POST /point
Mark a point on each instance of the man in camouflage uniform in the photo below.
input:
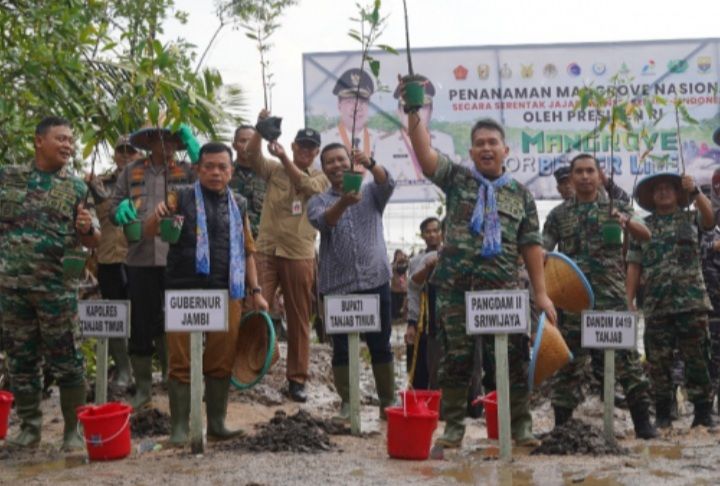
(675, 302)
(42, 215)
(710, 255)
(111, 253)
(138, 190)
(246, 182)
(575, 227)
(466, 264)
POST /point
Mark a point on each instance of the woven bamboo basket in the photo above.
(566, 284)
(255, 338)
(550, 352)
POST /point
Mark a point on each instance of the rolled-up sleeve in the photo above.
(317, 206)
(382, 193)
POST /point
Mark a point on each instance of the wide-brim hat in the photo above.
(550, 352)
(644, 189)
(144, 137)
(257, 349)
(566, 284)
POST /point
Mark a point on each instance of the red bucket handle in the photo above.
(99, 442)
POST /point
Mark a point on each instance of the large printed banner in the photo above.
(532, 91)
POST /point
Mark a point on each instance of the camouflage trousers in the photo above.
(457, 364)
(715, 352)
(689, 332)
(37, 326)
(568, 382)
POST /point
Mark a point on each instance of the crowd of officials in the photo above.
(249, 225)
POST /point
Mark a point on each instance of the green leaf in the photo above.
(375, 67)
(154, 112)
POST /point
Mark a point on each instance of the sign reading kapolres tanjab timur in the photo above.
(531, 90)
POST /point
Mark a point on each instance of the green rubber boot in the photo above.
(70, 399)
(341, 377)
(454, 405)
(521, 421)
(179, 397)
(161, 350)
(385, 384)
(27, 406)
(119, 353)
(142, 368)
(216, 400)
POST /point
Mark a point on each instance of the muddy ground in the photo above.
(682, 456)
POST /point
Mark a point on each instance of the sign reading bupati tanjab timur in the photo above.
(198, 310)
(352, 313)
(104, 318)
(497, 312)
(609, 329)
(532, 90)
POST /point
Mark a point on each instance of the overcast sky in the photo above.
(322, 25)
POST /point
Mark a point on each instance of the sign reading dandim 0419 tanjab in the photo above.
(532, 90)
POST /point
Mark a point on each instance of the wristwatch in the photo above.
(371, 164)
(255, 290)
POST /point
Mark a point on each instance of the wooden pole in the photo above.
(101, 370)
(609, 395)
(354, 365)
(196, 385)
(502, 377)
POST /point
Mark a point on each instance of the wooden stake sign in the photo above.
(103, 319)
(351, 315)
(196, 312)
(499, 312)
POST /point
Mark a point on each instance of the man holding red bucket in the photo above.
(42, 218)
(214, 251)
(492, 221)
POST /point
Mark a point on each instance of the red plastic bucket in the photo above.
(431, 398)
(6, 400)
(491, 415)
(107, 430)
(409, 433)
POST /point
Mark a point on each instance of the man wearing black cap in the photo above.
(396, 148)
(286, 242)
(564, 186)
(354, 85)
(139, 189)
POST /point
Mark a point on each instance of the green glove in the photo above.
(191, 144)
(125, 212)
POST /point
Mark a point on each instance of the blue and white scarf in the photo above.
(237, 244)
(485, 216)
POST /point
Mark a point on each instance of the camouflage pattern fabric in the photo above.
(460, 268)
(671, 265)
(252, 187)
(576, 229)
(711, 274)
(37, 225)
(689, 332)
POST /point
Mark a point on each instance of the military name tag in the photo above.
(609, 329)
(104, 318)
(497, 312)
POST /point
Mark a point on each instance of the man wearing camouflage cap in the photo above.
(42, 216)
(353, 85)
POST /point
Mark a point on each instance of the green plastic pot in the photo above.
(352, 181)
(73, 262)
(133, 231)
(170, 228)
(612, 233)
(414, 94)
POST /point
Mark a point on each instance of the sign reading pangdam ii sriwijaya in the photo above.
(532, 91)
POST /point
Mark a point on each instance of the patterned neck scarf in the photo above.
(485, 216)
(237, 243)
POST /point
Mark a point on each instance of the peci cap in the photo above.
(308, 135)
(352, 82)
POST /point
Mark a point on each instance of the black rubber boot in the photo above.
(641, 420)
(674, 414)
(562, 415)
(703, 416)
(663, 415)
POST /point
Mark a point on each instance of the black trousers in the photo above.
(146, 289)
(112, 278)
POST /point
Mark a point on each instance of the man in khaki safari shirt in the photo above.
(286, 242)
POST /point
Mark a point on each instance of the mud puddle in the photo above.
(576, 437)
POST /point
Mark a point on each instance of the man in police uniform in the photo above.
(139, 189)
(397, 151)
(353, 85)
(111, 253)
(42, 215)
